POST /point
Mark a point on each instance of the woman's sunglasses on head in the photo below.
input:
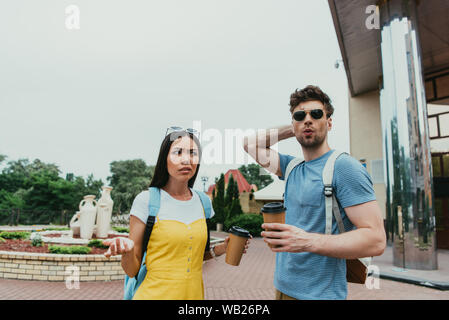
(315, 114)
(178, 129)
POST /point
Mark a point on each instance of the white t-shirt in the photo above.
(171, 208)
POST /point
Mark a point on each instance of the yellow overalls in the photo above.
(174, 261)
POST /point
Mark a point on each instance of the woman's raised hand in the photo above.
(118, 245)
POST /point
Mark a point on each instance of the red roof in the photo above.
(242, 184)
(211, 188)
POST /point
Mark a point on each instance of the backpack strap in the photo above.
(293, 163)
(205, 201)
(153, 207)
(337, 215)
(331, 201)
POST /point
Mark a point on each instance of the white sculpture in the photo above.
(104, 213)
(75, 224)
(88, 213)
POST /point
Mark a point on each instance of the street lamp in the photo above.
(204, 179)
(337, 63)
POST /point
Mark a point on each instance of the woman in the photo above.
(176, 249)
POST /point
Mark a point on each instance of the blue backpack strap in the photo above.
(155, 201)
(154, 204)
(132, 284)
(205, 200)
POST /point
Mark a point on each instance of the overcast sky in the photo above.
(107, 91)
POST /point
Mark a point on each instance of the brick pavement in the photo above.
(252, 280)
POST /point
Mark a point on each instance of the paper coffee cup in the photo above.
(273, 212)
(236, 245)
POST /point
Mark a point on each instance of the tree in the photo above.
(128, 179)
(218, 201)
(36, 189)
(232, 201)
(251, 172)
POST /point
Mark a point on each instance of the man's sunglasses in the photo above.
(177, 129)
(301, 114)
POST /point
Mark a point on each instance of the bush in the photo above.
(56, 229)
(36, 240)
(69, 250)
(121, 229)
(248, 221)
(97, 244)
(14, 235)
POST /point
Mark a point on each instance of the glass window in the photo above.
(444, 124)
(436, 166)
(446, 165)
(439, 214)
(433, 127)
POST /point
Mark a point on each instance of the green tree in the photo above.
(232, 201)
(128, 179)
(218, 201)
(37, 188)
(251, 172)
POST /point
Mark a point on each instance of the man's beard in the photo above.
(311, 143)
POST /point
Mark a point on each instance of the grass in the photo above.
(69, 250)
(121, 229)
(97, 244)
(14, 235)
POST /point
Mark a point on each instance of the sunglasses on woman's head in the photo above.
(301, 114)
(177, 129)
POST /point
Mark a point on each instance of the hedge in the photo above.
(14, 235)
(248, 221)
(69, 250)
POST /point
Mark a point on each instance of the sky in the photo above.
(82, 98)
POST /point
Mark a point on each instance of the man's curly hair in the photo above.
(311, 93)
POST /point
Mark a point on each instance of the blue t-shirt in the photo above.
(306, 275)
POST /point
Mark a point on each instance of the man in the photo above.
(309, 263)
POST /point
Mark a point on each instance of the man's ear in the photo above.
(329, 124)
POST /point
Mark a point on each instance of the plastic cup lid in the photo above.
(273, 207)
(239, 231)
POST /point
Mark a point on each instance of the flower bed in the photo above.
(19, 259)
(57, 267)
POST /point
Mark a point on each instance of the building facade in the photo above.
(396, 58)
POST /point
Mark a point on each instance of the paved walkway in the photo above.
(252, 280)
(432, 278)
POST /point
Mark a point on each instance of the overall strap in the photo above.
(153, 207)
(330, 200)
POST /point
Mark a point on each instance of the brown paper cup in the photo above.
(273, 218)
(273, 212)
(236, 246)
(235, 249)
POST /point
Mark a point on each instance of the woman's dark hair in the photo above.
(311, 93)
(160, 177)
